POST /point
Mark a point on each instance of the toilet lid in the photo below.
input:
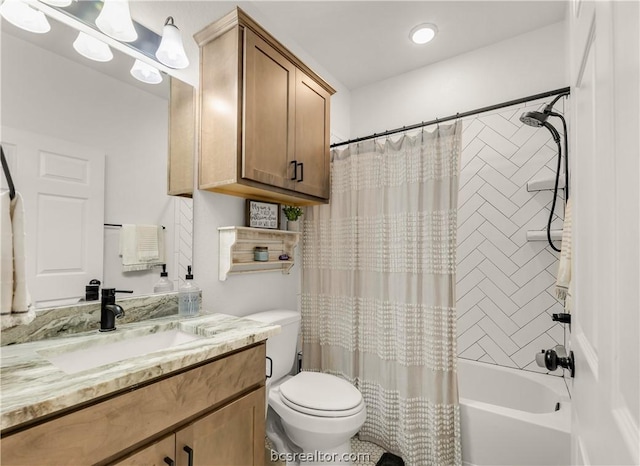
(321, 394)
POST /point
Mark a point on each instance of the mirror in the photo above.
(90, 131)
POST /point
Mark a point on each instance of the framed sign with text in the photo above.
(260, 214)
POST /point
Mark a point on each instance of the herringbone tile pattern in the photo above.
(183, 239)
(505, 285)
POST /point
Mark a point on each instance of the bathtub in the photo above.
(509, 417)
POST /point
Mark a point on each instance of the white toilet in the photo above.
(319, 412)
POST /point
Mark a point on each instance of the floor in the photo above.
(367, 453)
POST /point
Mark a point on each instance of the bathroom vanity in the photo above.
(197, 398)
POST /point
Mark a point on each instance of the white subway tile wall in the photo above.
(183, 240)
(505, 284)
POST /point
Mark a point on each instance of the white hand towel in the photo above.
(147, 243)
(6, 254)
(15, 294)
(141, 247)
(563, 282)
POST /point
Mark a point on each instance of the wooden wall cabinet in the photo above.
(264, 117)
(182, 133)
(216, 410)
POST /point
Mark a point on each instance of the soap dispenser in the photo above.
(188, 297)
(163, 285)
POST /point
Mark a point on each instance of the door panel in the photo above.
(312, 136)
(605, 117)
(230, 436)
(269, 113)
(62, 185)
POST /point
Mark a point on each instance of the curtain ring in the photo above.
(437, 123)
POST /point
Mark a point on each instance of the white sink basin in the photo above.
(99, 354)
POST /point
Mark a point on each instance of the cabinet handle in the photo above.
(189, 451)
(295, 169)
(270, 373)
(169, 461)
(301, 172)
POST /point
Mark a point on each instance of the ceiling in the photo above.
(356, 42)
(362, 42)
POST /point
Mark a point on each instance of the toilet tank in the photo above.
(281, 348)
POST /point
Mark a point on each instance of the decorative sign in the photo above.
(263, 214)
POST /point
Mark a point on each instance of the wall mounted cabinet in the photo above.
(264, 117)
(182, 129)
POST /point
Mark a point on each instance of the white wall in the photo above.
(244, 294)
(52, 95)
(524, 65)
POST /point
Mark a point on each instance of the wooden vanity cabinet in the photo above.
(229, 436)
(217, 409)
(264, 117)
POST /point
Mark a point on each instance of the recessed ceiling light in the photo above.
(423, 33)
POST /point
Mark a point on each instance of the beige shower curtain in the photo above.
(378, 293)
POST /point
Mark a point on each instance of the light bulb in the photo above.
(171, 51)
(115, 20)
(423, 33)
(145, 73)
(23, 16)
(92, 48)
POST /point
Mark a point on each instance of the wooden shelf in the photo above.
(237, 244)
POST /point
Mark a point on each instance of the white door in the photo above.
(62, 185)
(605, 100)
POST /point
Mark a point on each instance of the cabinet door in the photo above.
(182, 126)
(312, 137)
(230, 436)
(268, 114)
(161, 453)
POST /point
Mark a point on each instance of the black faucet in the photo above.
(109, 311)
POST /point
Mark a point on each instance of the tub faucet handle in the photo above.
(552, 358)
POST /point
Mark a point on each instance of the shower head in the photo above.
(535, 119)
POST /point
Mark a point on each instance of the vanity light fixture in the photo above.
(145, 73)
(23, 16)
(171, 51)
(92, 48)
(423, 33)
(115, 20)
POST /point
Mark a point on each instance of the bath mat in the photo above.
(389, 459)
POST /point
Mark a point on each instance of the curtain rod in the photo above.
(561, 91)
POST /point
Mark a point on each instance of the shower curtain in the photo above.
(378, 289)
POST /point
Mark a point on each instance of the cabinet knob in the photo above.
(295, 170)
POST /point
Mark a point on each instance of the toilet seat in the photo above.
(321, 395)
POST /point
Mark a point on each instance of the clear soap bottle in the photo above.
(188, 297)
(164, 285)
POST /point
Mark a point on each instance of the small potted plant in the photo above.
(293, 213)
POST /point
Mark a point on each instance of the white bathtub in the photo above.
(508, 416)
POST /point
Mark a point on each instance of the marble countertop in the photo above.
(32, 387)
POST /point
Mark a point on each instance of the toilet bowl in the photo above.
(318, 412)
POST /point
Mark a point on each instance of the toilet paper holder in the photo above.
(557, 356)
